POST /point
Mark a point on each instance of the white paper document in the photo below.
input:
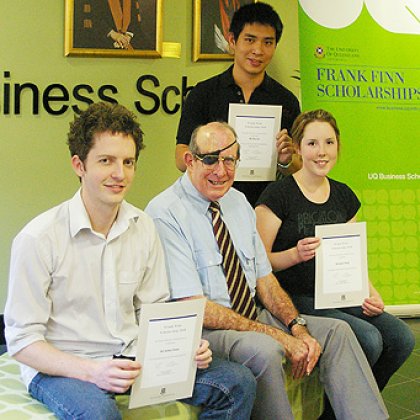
(256, 127)
(341, 273)
(169, 336)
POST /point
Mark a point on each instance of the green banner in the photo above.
(360, 60)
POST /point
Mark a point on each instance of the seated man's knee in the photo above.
(334, 330)
(340, 328)
(241, 381)
(262, 353)
(94, 408)
(107, 409)
(71, 398)
(367, 335)
(225, 386)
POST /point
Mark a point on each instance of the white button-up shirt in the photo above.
(79, 290)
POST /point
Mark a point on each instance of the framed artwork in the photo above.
(113, 28)
(211, 23)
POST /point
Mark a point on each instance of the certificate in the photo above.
(169, 336)
(256, 127)
(341, 273)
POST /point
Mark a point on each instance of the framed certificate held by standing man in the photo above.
(256, 127)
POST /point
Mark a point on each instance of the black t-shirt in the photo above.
(209, 101)
(299, 217)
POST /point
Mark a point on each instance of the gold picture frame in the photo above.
(100, 27)
(211, 19)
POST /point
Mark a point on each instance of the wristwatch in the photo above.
(298, 320)
(284, 165)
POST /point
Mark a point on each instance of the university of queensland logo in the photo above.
(319, 51)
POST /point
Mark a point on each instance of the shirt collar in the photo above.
(228, 80)
(126, 213)
(227, 77)
(79, 218)
(195, 197)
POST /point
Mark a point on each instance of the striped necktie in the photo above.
(240, 295)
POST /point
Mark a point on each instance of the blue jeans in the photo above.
(386, 340)
(225, 390)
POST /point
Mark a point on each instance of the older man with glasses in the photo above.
(212, 249)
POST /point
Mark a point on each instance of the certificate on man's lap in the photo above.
(341, 273)
(169, 336)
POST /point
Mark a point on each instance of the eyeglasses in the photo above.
(211, 161)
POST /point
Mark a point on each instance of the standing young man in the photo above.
(255, 31)
(79, 274)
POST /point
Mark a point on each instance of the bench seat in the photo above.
(306, 396)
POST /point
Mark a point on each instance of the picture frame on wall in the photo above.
(113, 28)
(211, 21)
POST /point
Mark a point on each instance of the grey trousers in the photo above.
(344, 370)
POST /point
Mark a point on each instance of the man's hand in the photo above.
(297, 352)
(314, 348)
(115, 375)
(284, 147)
(303, 351)
(373, 306)
(203, 356)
